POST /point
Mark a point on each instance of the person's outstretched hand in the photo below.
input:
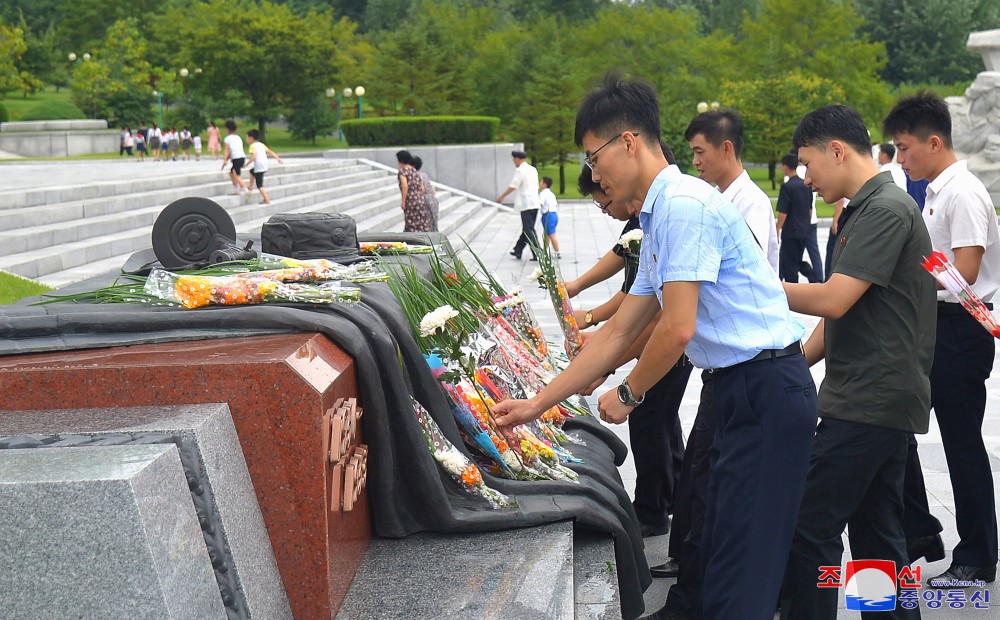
(509, 413)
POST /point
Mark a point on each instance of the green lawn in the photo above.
(17, 104)
(14, 287)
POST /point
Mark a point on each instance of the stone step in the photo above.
(595, 577)
(50, 217)
(49, 195)
(525, 573)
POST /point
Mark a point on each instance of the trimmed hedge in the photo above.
(414, 130)
(53, 110)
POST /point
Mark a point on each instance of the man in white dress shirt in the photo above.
(716, 139)
(962, 223)
(887, 162)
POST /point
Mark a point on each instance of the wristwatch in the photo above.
(626, 397)
(589, 317)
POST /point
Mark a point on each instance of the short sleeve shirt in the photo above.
(878, 355)
(235, 146)
(691, 234)
(525, 184)
(959, 213)
(795, 201)
(631, 260)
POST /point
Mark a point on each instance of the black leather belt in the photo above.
(948, 308)
(768, 354)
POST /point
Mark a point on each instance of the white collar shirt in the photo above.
(959, 213)
(756, 209)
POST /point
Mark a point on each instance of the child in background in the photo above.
(140, 145)
(258, 157)
(197, 147)
(550, 215)
(234, 152)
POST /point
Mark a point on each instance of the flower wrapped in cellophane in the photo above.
(458, 466)
(373, 248)
(194, 291)
(953, 281)
(549, 276)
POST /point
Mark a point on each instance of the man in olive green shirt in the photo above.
(877, 336)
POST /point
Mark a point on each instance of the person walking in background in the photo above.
(549, 209)
(196, 140)
(174, 142)
(234, 152)
(812, 244)
(185, 137)
(129, 142)
(794, 209)
(155, 139)
(524, 185)
(258, 153)
(213, 139)
(887, 163)
(962, 223)
(411, 189)
(121, 141)
(140, 145)
(430, 196)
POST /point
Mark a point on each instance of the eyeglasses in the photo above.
(591, 160)
(603, 208)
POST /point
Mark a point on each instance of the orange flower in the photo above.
(471, 475)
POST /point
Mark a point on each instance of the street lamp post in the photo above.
(159, 101)
(360, 92)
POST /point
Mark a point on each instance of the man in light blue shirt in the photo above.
(722, 306)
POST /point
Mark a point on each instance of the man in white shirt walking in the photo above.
(524, 186)
(886, 155)
(962, 224)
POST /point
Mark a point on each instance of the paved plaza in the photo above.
(585, 234)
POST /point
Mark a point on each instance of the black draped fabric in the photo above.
(409, 493)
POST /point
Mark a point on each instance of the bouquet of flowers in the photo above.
(549, 276)
(192, 291)
(371, 248)
(458, 466)
(952, 280)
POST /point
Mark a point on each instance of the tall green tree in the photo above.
(771, 108)
(925, 39)
(821, 39)
(13, 74)
(114, 83)
(264, 55)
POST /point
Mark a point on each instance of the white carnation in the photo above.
(632, 236)
(452, 460)
(536, 275)
(435, 320)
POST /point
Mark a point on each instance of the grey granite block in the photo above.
(524, 573)
(223, 492)
(101, 532)
(596, 576)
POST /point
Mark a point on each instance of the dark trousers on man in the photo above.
(657, 443)
(812, 248)
(855, 481)
(684, 597)
(528, 218)
(766, 417)
(790, 261)
(963, 360)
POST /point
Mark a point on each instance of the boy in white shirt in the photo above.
(258, 161)
(234, 152)
(550, 215)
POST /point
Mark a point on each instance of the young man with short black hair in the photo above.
(877, 336)
(962, 224)
(716, 140)
(721, 304)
